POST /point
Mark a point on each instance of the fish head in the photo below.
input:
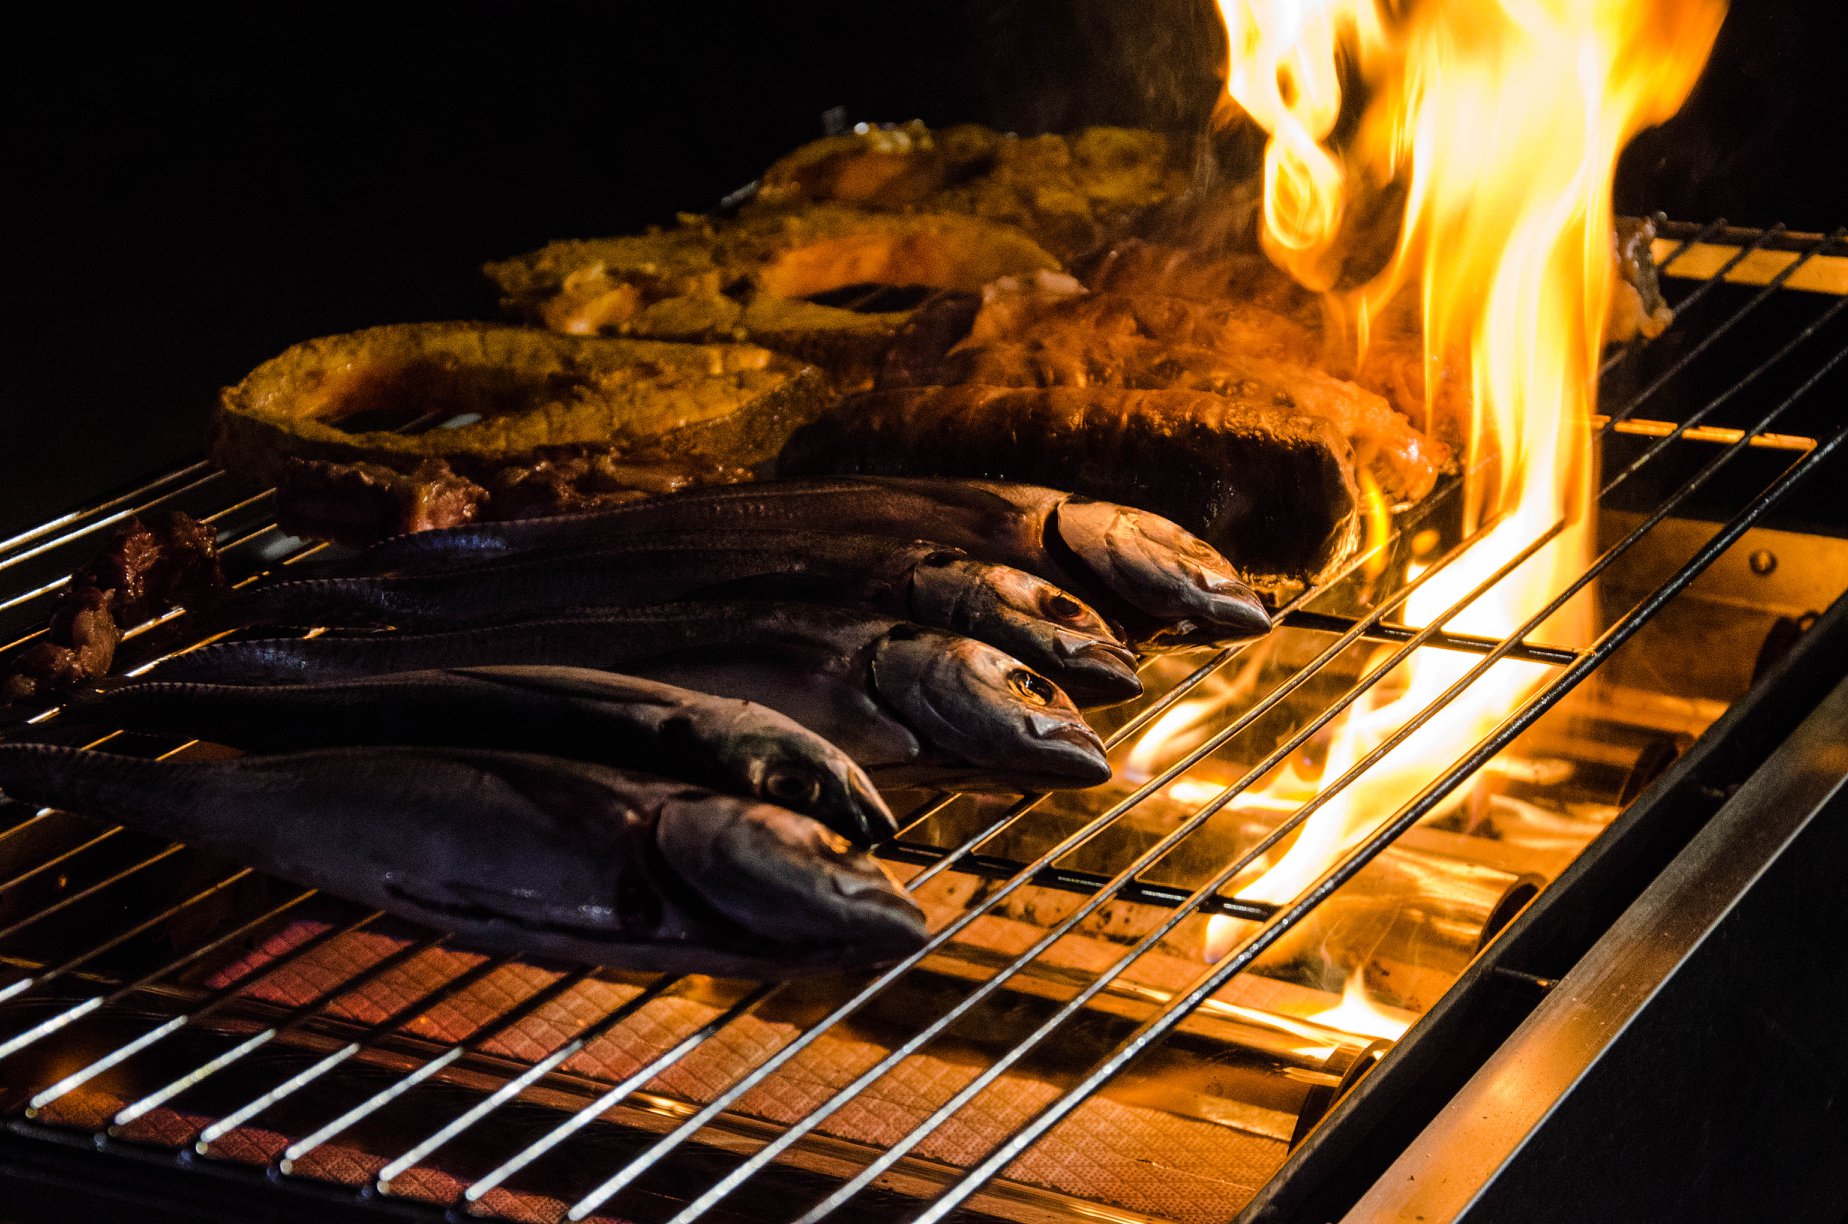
(782, 762)
(1160, 568)
(787, 879)
(972, 702)
(1038, 623)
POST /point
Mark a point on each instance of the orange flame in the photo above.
(1501, 122)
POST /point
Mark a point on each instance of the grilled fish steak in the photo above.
(324, 409)
(1141, 570)
(535, 855)
(734, 747)
(1403, 462)
(913, 706)
(928, 583)
(1273, 490)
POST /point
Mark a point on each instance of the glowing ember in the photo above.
(1501, 124)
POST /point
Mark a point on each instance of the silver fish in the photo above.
(538, 856)
(735, 747)
(1152, 575)
(920, 581)
(853, 678)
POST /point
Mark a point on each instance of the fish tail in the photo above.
(151, 795)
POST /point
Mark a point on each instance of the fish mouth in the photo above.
(1097, 673)
(868, 810)
(1076, 748)
(1230, 605)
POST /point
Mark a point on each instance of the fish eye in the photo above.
(792, 787)
(1063, 607)
(1196, 547)
(1034, 688)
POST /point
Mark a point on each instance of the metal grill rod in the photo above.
(518, 1012)
(434, 997)
(514, 1087)
(1415, 810)
(72, 1014)
(212, 1003)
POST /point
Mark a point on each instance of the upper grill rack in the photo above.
(86, 942)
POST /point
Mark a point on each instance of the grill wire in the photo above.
(57, 983)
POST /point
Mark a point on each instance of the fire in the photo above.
(1500, 122)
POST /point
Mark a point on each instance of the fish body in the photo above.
(1078, 544)
(975, 718)
(733, 747)
(918, 580)
(539, 856)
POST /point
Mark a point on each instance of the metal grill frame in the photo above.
(1778, 257)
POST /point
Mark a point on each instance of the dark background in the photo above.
(193, 188)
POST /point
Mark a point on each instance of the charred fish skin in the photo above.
(933, 584)
(733, 747)
(1003, 522)
(537, 856)
(811, 663)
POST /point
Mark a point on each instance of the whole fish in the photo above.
(735, 747)
(1151, 575)
(917, 580)
(913, 706)
(535, 855)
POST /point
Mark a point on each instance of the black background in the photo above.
(192, 188)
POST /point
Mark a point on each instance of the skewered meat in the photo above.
(149, 565)
(322, 420)
(1135, 567)
(1272, 489)
(920, 581)
(734, 747)
(752, 278)
(514, 852)
(913, 706)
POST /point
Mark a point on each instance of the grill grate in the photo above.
(141, 1002)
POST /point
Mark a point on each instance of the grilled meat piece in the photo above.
(913, 706)
(1403, 462)
(1272, 489)
(516, 853)
(1637, 308)
(149, 565)
(936, 586)
(1137, 568)
(734, 747)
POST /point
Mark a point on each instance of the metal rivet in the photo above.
(1762, 562)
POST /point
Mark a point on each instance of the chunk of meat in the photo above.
(148, 565)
